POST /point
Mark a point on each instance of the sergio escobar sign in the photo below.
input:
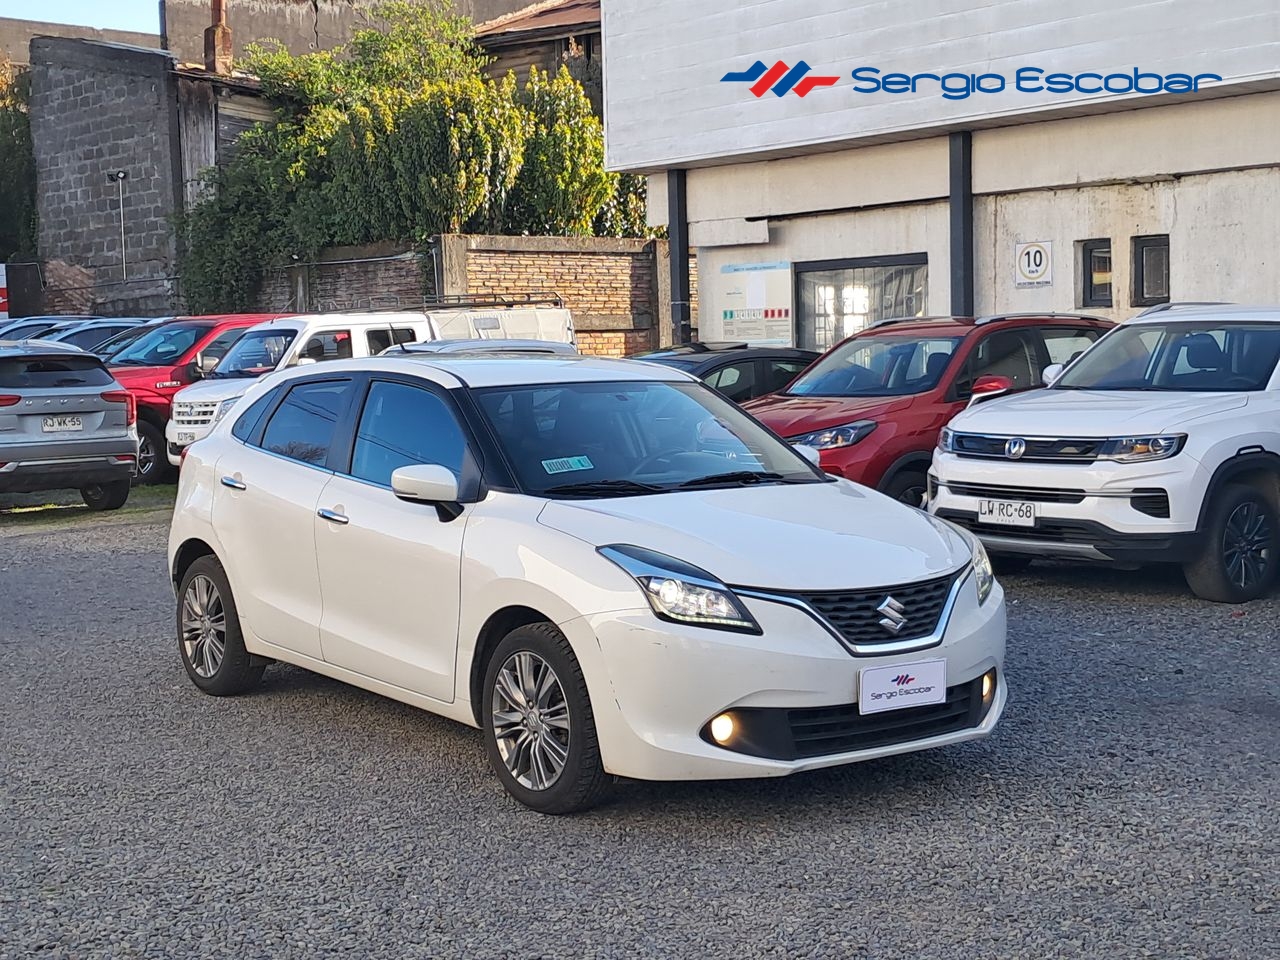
(961, 86)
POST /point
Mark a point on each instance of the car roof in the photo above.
(32, 348)
(499, 370)
(486, 346)
(1200, 312)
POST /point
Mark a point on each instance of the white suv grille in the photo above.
(194, 413)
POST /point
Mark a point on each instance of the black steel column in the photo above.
(962, 272)
(678, 235)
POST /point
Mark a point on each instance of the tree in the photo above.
(17, 165)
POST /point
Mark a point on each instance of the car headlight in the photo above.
(833, 437)
(947, 440)
(1143, 448)
(223, 409)
(984, 578)
(680, 592)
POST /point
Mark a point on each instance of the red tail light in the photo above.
(8, 400)
(130, 404)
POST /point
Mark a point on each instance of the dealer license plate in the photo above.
(1011, 513)
(185, 438)
(61, 424)
(902, 685)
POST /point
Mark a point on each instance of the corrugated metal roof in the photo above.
(545, 16)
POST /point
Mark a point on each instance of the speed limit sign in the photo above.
(1033, 263)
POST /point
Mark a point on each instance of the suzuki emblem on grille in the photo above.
(1015, 448)
(894, 615)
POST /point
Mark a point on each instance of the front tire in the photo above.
(908, 487)
(539, 731)
(1240, 550)
(106, 496)
(153, 462)
(210, 641)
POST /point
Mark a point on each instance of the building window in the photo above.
(1095, 273)
(1150, 270)
(836, 298)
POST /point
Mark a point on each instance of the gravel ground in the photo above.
(1126, 806)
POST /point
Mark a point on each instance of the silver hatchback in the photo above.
(65, 423)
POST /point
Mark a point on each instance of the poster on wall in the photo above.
(4, 295)
(756, 305)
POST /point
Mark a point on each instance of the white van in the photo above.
(281, 343)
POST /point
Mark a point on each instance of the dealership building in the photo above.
(833, 163)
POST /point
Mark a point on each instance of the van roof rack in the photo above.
(993, 317)
(891, 320)
(457, 301)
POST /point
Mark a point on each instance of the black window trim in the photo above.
(1137, 246)
(1087, 248)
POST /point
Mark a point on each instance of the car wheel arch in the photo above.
(495, 628)
(188, 553)
(916, 460)
(1252, 467)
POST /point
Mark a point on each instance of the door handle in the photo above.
(233, 483)
(332, 516)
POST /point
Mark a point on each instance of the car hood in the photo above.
(1092, 413)
(211, 391)
(790, 416)
(828, 536)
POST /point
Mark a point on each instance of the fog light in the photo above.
(988, 684)
(722, 728)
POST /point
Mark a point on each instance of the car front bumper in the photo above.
(656, 685)
(178, 437)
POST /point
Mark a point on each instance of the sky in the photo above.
(140, 15)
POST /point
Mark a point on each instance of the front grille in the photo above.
(780, 733)
(1152, 501)
(194, 413)
(984, 447)
(855, 615)
(1034, 494)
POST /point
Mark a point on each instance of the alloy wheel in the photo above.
(530, 718)
(146, 457)
(204, 626)
(1246, 545)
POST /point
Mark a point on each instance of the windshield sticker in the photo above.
(567, 464)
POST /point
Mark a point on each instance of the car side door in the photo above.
(390, 570)
(1010, 352)
(264, 507)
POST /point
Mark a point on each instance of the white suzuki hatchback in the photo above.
(605, 565)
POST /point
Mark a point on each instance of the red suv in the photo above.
(164, 360)
(874, 404)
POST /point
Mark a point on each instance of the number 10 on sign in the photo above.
(1033, 264)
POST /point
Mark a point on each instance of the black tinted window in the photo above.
(84, 339)
(69, 371)
(303, 425)
(737, 381)
(247, 422)
(379, 340)
(403, 425)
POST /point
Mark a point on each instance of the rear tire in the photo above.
(1239, 554)
(537, 721)
(106, 496)
(907, 486)
(210, 641)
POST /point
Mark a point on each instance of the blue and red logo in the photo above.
(903, 679)
(779, 78)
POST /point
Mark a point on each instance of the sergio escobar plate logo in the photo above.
(781, 79)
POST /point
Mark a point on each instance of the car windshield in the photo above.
(256, 353)
(116, 344)
(1181, 356)
(877, 366)
(163, 346)
(633, 438)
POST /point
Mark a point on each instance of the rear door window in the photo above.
(737, 381)
(17, 373)
(303, 426)
(327, 345)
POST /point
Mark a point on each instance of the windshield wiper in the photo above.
(607, 488)
(742, 477)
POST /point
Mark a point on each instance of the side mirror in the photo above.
(1051, 373)
(206, 363)
(809, 453)
(428, 483)
(303, 361)
(986, 387)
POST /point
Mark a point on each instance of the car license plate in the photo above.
(61, 424)
(902, 685)
(1011, 513)
(186, 438)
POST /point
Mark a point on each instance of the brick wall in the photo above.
(95, 110)
(615, 343)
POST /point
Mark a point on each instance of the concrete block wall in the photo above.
(95, 110)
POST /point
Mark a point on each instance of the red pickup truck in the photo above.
(163, 361)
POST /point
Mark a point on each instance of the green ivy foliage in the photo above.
(399, 136)
(17, 166)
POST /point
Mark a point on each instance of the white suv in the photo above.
(605, 565)
(1160, 443)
